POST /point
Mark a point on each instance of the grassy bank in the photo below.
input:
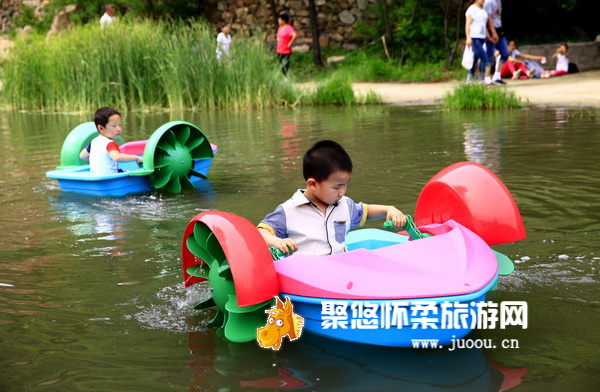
(141, 65)
(478, 96)
(147, 65)
(365, 66)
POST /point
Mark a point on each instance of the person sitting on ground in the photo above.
(108, 17)
(315, 220)
(526, 63)
(103, 152)
(562, 62)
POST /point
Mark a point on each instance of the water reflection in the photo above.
(314, 363)
(483, 146)
(292, 156)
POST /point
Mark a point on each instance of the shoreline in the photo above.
(580, 90)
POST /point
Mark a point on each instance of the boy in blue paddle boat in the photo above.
(315, 220)
(103, 152)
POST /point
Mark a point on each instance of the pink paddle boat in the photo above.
(388, 289)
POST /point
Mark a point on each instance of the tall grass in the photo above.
(337, 90)
(141, 65)
(478, 96)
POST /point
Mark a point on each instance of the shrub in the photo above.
(478, 96)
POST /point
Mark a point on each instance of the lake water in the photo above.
(91, 293)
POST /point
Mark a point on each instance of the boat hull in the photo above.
(439, 319)
(78, 179)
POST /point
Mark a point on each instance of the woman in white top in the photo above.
(223, 43)
(476, 30)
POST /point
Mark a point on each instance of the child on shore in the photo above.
(562, 62)
(315, 220)
(103, 152)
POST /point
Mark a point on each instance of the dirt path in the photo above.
(576, 90)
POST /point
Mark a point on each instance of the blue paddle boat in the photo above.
(177, 156)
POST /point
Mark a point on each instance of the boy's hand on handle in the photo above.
(396, 216)
(285, 245)
(140, 160)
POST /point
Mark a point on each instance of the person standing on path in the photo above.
(498, 40)
(286, 35)
(223, 43)
(477, 25)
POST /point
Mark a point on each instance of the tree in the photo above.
(452, 15)
(316, 45)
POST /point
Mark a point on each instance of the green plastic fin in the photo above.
(225, 272)
(505, 265)
(214, 248)
(218, 320)
(243, 322)
(198, 251)
(201, 233)
(186, 183)
(182, 133)
(161, 178)
(208, 303)
(161, 159)
(173, 186)
(204, 151)
(199, 270)
(195, 141)
(232, 307)
(169, 139)
(165, 148)
(197, 174)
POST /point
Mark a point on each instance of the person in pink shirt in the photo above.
(286, 35)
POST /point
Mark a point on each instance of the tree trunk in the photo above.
(150, 8)
(388, 27)
(451, 46)
(316, 46)
(274, 12)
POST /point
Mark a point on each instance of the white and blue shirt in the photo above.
(316, 232)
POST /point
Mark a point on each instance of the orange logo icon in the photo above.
(281, 322)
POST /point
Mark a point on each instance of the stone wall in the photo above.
(336, 19)
(585, 54)
(11, 9)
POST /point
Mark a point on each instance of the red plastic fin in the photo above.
(472, 195)
(247, 253)
(187, 258)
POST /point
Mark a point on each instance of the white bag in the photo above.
(468, 58)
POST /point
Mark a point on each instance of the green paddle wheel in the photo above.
(236, 323)
(171, 154)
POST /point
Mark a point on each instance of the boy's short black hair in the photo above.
(103, 114)
(325, 158)
(285, 17)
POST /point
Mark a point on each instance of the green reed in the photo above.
(142, 65)
(478, 96)
(337, 90)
